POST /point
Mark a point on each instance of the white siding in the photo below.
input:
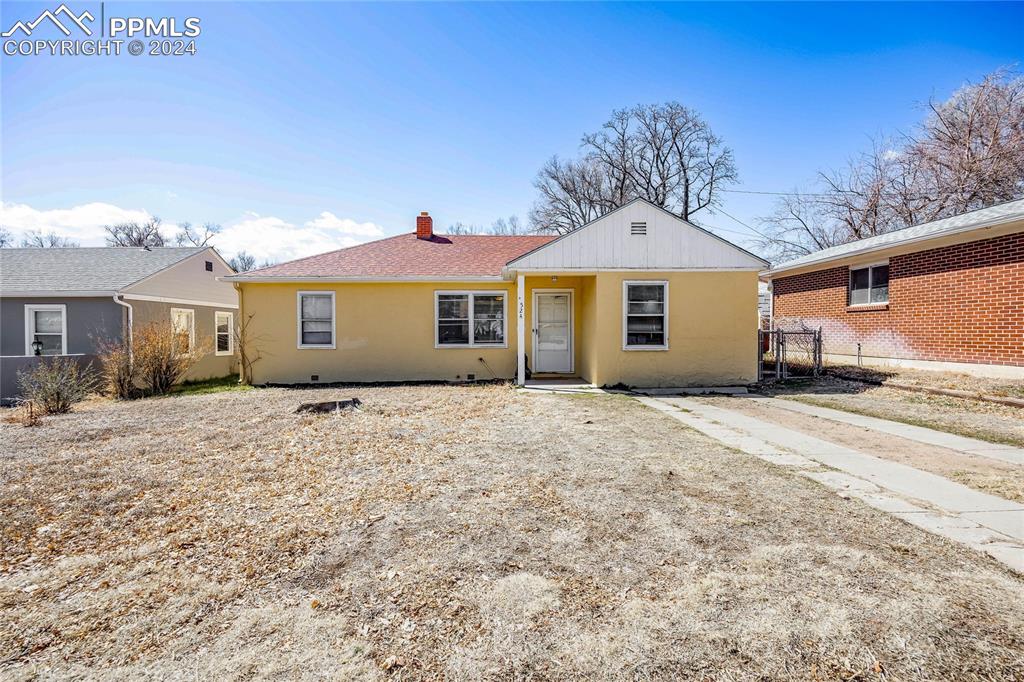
(190, 280)
(670, 244)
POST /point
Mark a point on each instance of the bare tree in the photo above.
(572, 193)
(665, 153)
(798, 226)
(968, 153)
(193, 236)
(35, 239)
(972, 145)
(463, 228)
(510, 226)
(242, 262)
(145, 235)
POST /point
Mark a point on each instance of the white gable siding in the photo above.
(608, 243)
(190, 280)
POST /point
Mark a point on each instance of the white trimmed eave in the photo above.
(356, 280)
(811, 265)
(511, 272)
(96, 293)
(180, 301)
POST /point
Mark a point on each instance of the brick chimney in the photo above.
(424, 226)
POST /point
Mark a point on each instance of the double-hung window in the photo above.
(223, 327)
(316, 319)
(469, 318)
(183, 325)
(645, 315)
(46, 325)
(869, 285)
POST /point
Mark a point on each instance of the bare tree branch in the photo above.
(191, 236)
(242, 262)
(145, 235)
(665, 153)
(51, 240)
(966, 154)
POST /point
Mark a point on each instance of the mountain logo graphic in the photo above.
(78, 20)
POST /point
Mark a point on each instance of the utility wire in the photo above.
(734, 218)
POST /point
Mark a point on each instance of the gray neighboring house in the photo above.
(71, 300)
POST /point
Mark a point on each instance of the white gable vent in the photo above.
(638, 228)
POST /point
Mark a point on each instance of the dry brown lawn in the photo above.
(932, 379)
(972, 418)
(988, 475)
(462, 532)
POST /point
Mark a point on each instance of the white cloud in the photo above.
(891, 154)
(329, 221)
(265, 237)
(83, 224)
(274, 239)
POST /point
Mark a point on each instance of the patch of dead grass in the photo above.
(468, 532)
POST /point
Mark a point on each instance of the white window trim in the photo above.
(625, 314)
(483, 292)
(231, 333)
(298, 321)
(191, 325)
(871, 275)
(30, 317)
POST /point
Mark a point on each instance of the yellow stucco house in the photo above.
(637, 297)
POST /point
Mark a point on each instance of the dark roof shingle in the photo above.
(83, 269)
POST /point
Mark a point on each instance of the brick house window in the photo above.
(869, 285)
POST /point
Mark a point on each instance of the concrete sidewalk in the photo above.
(983, 522)
(951, 441)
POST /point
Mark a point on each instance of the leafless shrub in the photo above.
(247, 348)
(25, 414)
(163, 355)
(117, 371)
(56, 384)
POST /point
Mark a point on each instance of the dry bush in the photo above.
(162, 356)
(25, 414)
(117, 371)
(57, 383)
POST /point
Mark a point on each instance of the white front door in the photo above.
(552, 332)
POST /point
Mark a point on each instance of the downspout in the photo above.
(241, 320)
(128, 330)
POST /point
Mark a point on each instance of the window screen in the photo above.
(470, 319)
(646, 315)
(869, 285)
(316, 319)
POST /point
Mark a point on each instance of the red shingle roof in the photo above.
(443, 256)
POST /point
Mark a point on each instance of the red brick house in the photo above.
(945, 295)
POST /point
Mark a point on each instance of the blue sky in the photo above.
(300, 126)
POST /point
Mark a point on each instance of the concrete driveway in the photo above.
(864, 467)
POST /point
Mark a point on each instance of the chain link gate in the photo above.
(785, 354)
